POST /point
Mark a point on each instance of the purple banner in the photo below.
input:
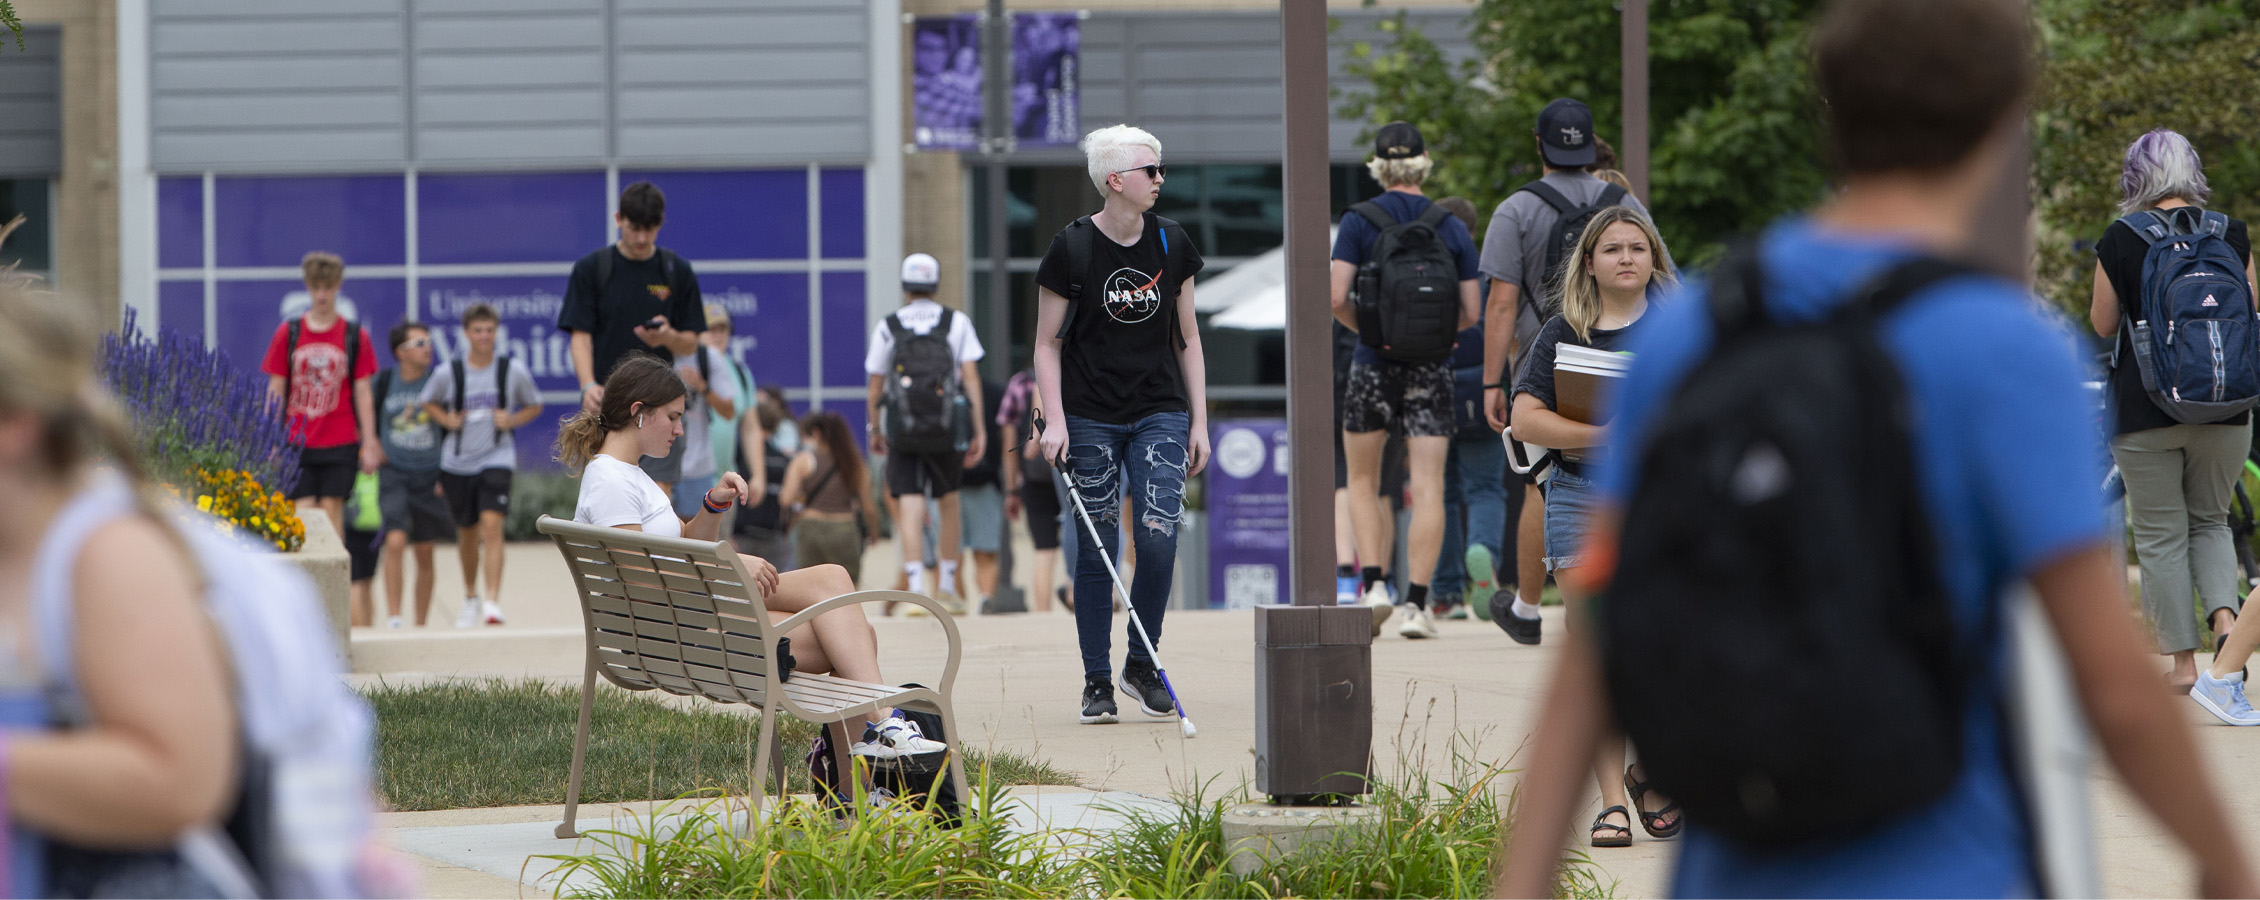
(945, 82)
(1047, 100)
(1247, 507)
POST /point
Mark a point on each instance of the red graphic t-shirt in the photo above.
(321, 394)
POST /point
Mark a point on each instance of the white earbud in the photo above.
(639, 420)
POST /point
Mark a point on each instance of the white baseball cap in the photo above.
(921, 273)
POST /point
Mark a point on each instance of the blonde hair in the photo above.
(717, 317)
(323, 269)
(1110, 150)
(1579, 292)
(1410, 171)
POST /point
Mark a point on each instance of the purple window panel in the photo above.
(180, 224)
(538, 217)
(769, 327)
(180, 307)
(529, 322)
(759, 214)
(249, 311)
(845, 333)
(275, 221)
(843, 213)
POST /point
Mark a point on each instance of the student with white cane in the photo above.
(1118, 357)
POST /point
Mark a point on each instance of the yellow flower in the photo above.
(204, 503)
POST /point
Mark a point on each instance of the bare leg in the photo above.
(1345, 537)
(426, 579)
(2243, 639)
(358, 596)
(1368, 519)
(490, 536)
(1425, 456)
(1530, 547)
(910, 535)
(396, 551)
(840, 642)
(1040, 579)
(947, 542)
(467, 552)
(985, 572)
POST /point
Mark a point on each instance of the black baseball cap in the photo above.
(1565, 134)
(1398, 140)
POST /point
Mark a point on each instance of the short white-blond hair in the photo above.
(1411, 170)
(1112, 149)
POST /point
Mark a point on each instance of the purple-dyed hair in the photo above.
(2159, 165)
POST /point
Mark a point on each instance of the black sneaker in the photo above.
(1098, 701)
(1142, 685)
(1524, 631)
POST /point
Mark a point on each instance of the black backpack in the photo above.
(1538, 294)
(909, 778)
(1407, 294)
(1777, 570)
(922, 392)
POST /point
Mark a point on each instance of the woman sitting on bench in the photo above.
(642, 415)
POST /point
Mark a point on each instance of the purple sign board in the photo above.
(1047, 103)
(945, 82)
(1247, 507)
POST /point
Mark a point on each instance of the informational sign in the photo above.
(1047, 63)
(1247, 504)
(945, 82)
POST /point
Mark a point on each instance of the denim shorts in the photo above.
(1569, 512)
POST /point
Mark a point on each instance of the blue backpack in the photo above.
(2196, 339)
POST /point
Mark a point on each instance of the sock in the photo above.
(949, 575)
(1523, 610)
(1368, 577)
(2231, 677)
(1345, 571)
(917, 573)
(1417, 595)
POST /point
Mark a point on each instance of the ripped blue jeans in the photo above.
(1152, 451)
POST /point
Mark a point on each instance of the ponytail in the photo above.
(578, 439)
(636, 378)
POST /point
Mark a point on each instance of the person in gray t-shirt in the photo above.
(478, 456)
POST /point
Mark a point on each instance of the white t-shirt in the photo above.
(920, 316)
(614, 493)
(698, 447)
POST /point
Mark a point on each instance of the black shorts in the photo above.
(1410, 400)
(914, 473)
(361, 550)
(410, 502)
(325, 472)
(1039, 498)
(470, 495)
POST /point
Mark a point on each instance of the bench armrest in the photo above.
(941, 616)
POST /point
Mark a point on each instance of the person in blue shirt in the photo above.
(1923, 100)
(1383, 396)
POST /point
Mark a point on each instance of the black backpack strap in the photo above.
(895, 328)
(352, 365)
(1374, 213)
(290, 364)
(456, 368)
(603, 271)
(1172, 264)
(1552, 197)
(1080, 233)
(377, 399)
(502, 385)
(1611, 195)
(1737, 294)
(670, 266)
(1433, 217)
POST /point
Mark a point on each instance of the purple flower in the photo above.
(191, 409)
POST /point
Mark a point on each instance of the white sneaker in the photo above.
(395, 624)
(1383, 604)
(1417, 624)
(491, 611)
(469, 617)
(895, 737)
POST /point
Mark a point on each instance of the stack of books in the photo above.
(1583, 377)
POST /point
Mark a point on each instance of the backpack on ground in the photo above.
(1407, 294)
(922, 392)
(908, 779)
(501, 390)
(2196, 339)
(1777, 564)
(1537, 302)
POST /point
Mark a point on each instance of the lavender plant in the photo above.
(194, 412)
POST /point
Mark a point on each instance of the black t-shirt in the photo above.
(2121, 252)
(1119, 363)
(1537, 373)
(639, 290)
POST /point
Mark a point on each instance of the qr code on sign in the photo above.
(1247, 586)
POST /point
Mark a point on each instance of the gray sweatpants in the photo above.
(2179, 480)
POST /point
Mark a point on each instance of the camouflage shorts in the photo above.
(1412, 400)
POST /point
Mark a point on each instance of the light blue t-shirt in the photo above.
(2010, 457)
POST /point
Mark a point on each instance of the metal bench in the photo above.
(685, 617)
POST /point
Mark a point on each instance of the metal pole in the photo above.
(996, 121)
(1310, 358)
(1634, 144)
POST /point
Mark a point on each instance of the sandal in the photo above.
(1638, 791)
(1601, 823)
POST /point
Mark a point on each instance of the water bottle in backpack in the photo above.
(2195, 336)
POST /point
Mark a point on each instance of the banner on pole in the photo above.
(1247, 504)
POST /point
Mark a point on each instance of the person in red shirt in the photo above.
(312, 373)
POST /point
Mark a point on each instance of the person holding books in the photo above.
(1619, 262)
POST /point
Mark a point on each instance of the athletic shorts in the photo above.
(916, 473)
(410, 502)
(980, 510)
(361, 552)
(1409, 400)
(470, 495)
(325, 472)
(1039, 502)
(666, 469)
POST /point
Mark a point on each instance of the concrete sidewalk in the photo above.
(1019, 686)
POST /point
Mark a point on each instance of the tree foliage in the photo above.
(2113, 69)
(1731, 110)
(8, 20)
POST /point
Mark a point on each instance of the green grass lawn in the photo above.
(464, 744)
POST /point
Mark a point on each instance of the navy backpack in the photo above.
(2196, 339)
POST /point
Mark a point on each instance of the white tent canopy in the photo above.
(1249, 294)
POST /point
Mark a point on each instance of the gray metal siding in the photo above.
(711, 81)
(31, 104)
(277, 84)
(501, 81)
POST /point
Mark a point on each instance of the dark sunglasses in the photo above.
(1156, 171)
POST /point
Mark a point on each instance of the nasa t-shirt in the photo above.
(1119, 363)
